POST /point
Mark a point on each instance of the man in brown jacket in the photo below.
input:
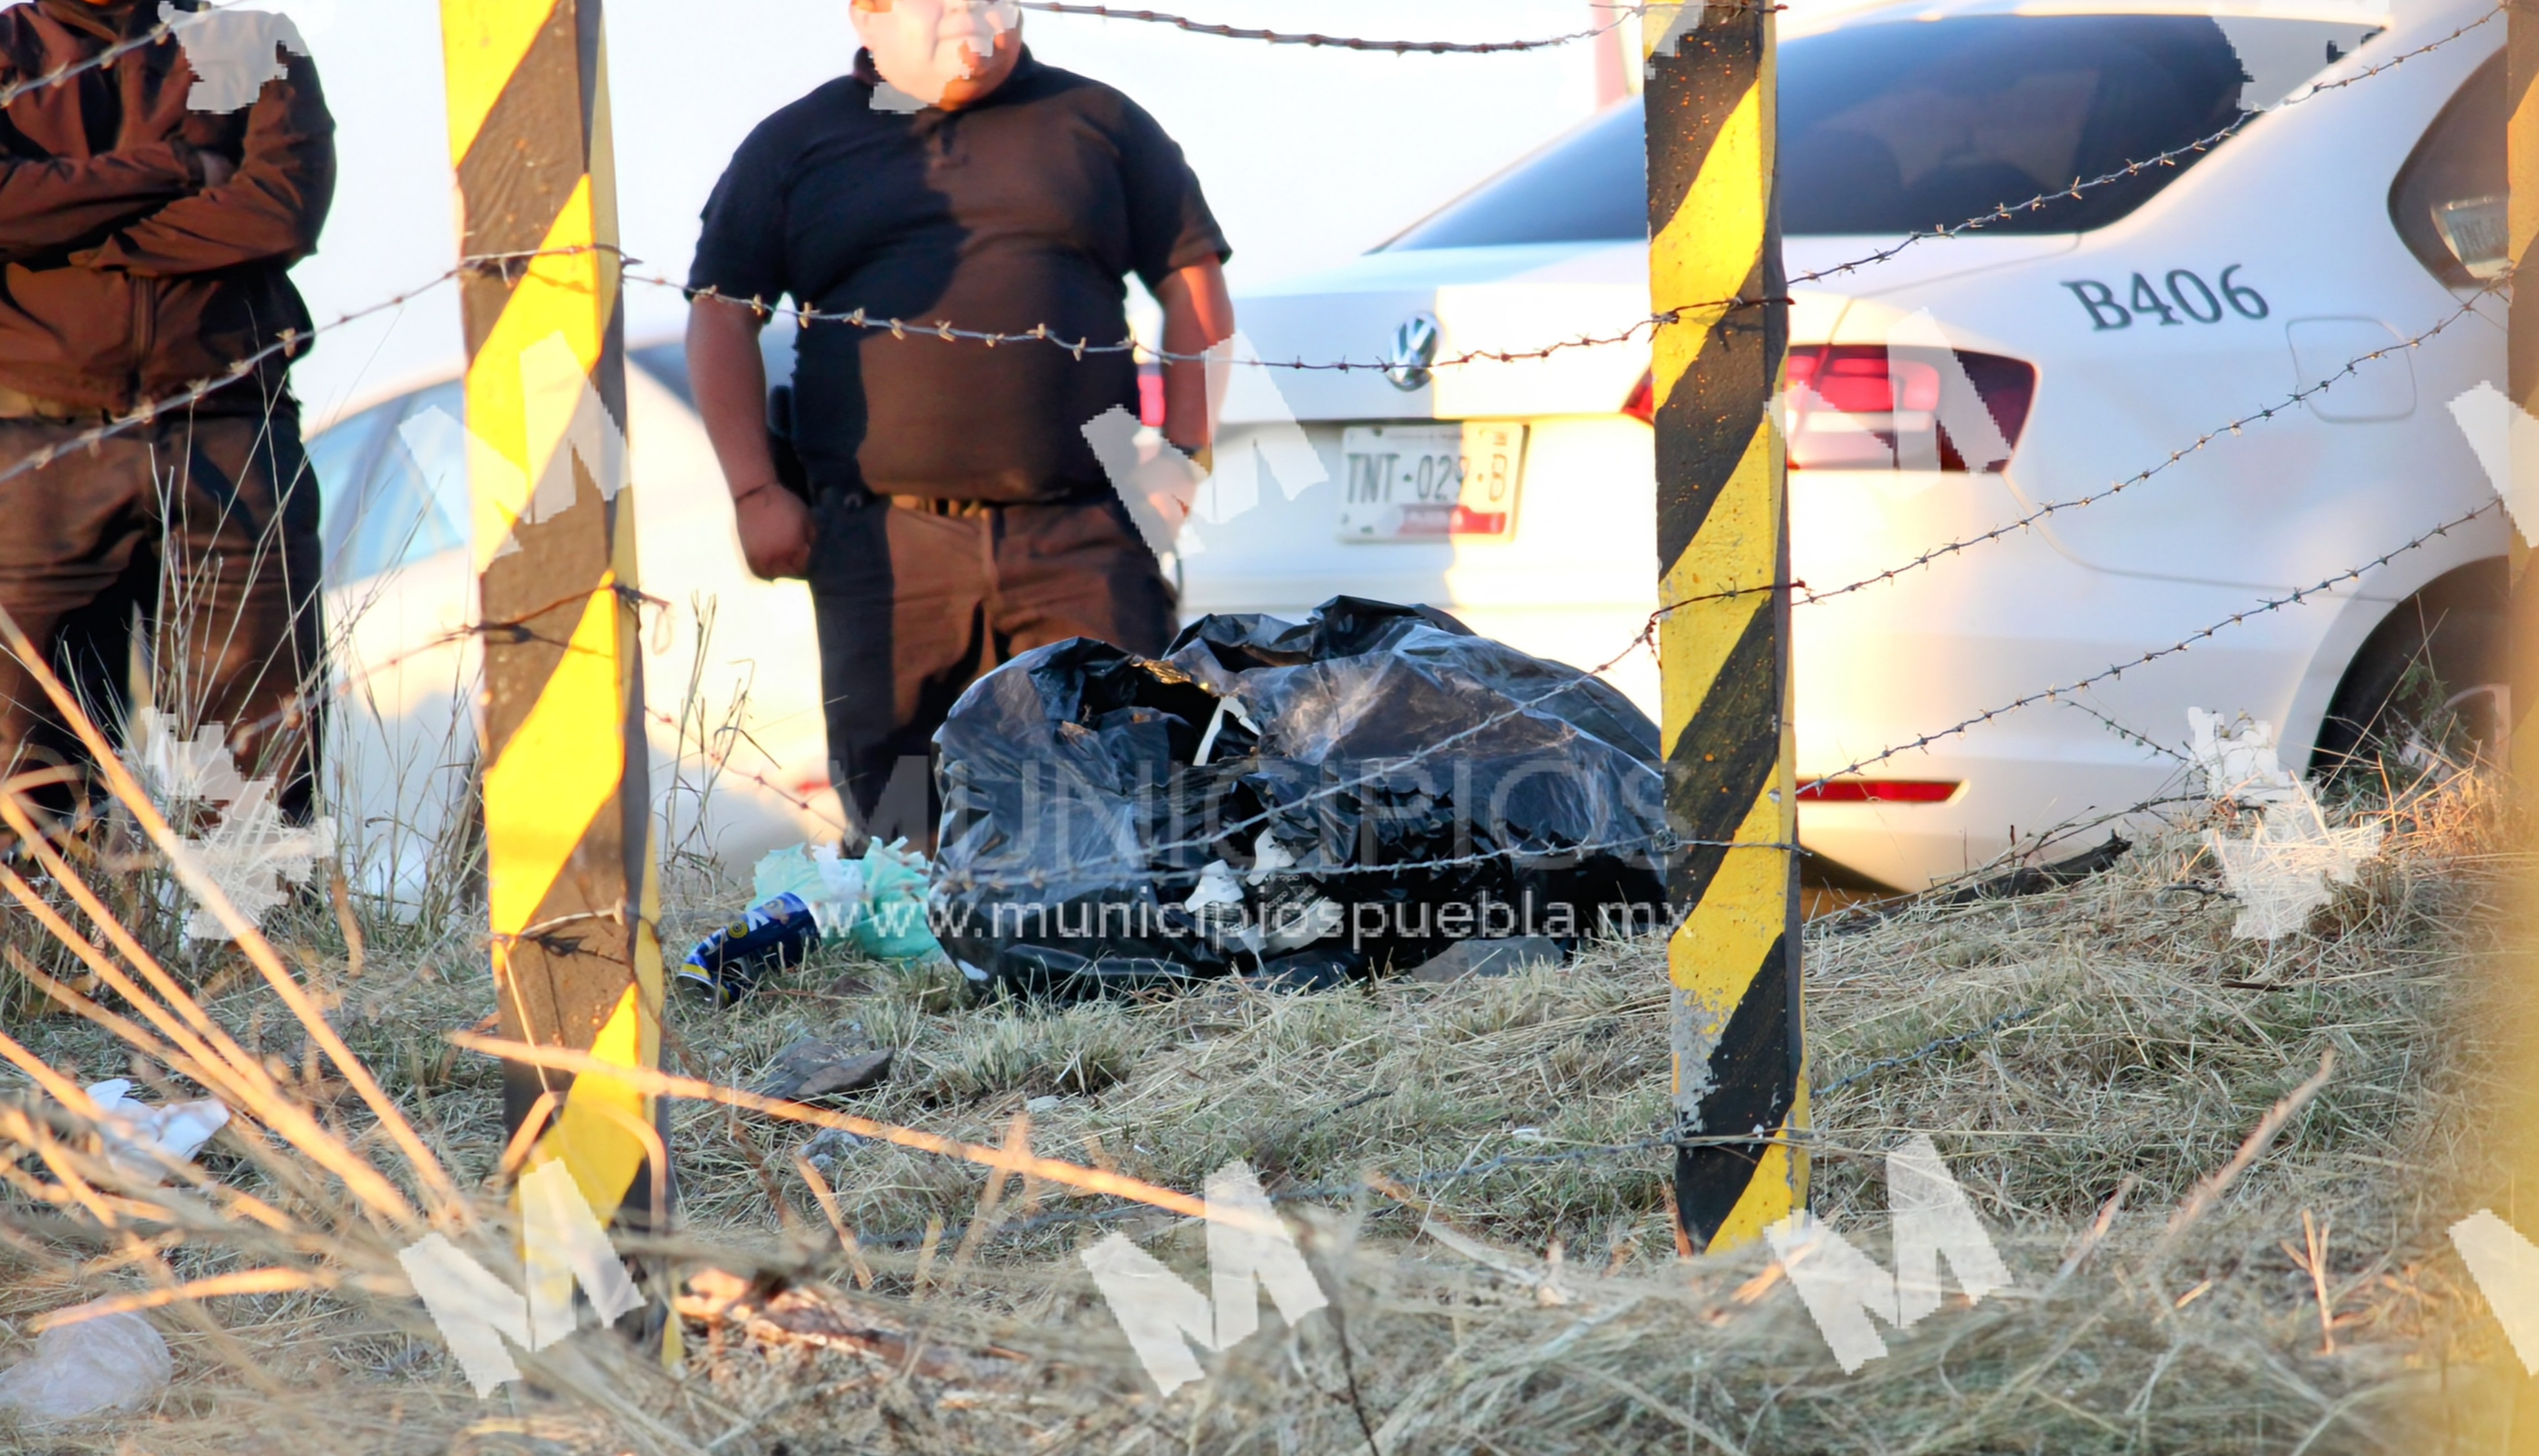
(144, 249)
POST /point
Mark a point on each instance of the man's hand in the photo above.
(776, 532)
(729, 378)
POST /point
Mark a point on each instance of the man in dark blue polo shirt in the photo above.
(957, 515)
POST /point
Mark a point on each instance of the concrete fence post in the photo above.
(576, 949)
(2512, 1402)
(1723, 644)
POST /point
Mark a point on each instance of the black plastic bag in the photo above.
(1300, 802)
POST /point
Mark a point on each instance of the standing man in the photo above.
(145, 249)
(957, 513)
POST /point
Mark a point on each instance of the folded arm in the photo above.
(53, 205)
(270, 209)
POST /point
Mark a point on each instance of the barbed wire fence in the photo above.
(1572, 679)
(290, 343)
(1624, 15)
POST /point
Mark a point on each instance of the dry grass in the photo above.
(2157, 1044)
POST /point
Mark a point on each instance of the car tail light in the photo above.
(1880, 791)
(1870, 407)
(1643, 403)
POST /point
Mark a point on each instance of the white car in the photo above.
(730, 670)
(2103, 333)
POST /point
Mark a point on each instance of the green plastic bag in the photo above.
(876, 904)
(893, 923)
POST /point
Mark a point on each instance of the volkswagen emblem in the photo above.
(1414, 348)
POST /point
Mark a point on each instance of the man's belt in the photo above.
(932, 506)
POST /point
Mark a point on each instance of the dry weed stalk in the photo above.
(2311, 1259)
(128, 792)
(2148, 1080)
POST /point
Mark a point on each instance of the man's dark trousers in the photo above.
(915, 598)
(204, 529)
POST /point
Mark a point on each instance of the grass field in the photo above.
(1497, 1250)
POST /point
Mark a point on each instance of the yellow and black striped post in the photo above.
(577, 958)
(2521, 214)
(1724, 647)
(2510, 1403)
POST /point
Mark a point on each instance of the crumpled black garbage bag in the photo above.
(1302, 803)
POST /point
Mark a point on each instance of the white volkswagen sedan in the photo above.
(2103, 334)
(731, 676)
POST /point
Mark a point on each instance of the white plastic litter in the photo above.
(1288, 916)
(177, 1128)
(250, 850)
(2242, 765)
(1225, 707)
(1218, 884)
(2289, 865)
(1288, 920)
(94, 1368)
(878, 902)
(1268, 857)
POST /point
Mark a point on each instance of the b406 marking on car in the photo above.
(2188, 297)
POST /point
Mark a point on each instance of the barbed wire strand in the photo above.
(2168, 158)
(2184, 644)
(2001, 1023)
(1392, 768)
(288, 341)
(73, 70)
(2238, 425)
(1041, 879)
(1804, 1137)
(1042, 333)
(1354, 42)
(2128, 734)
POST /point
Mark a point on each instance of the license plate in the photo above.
(1430, 482)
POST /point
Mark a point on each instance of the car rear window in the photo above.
(1901, 127)
(1590, 186)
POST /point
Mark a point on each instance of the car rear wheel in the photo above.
(2428, 685)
